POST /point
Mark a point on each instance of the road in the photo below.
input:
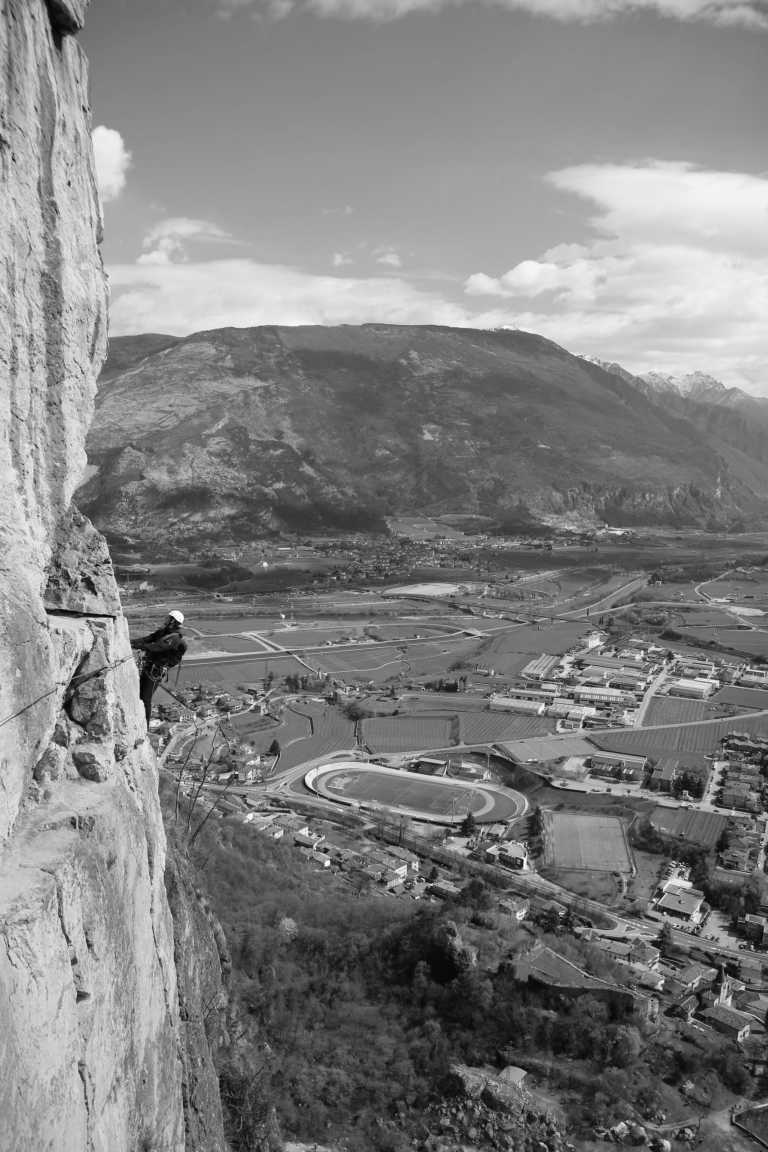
(652, 689)
(607, 601)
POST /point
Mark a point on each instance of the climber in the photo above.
(163, 649)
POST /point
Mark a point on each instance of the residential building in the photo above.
(517, 907)
(512, 854)
(664, 774)
(567, 709)
(694, 977)
(612, 760)
(601, 696)
(404, 856)
(306, 839)
(681, 903)
(736, 1025)
(628, 683)
(443, 889)
(540, 668)
(314, 857)
(517, 704)
(754, 927)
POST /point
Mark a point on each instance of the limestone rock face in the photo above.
(91, 1047)
(80, 574)
(52, 343)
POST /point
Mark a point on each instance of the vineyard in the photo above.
(488, 727)
(509, 652)
(674, 710)
(752, 699)
(703, 828)
(331, 731)
(230, 673)
(406, 733)
(700, 738)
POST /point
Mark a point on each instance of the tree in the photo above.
(666, 940)
(274, 748)
(468, 825)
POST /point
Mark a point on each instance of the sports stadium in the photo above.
(432, 798)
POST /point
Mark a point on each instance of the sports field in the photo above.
(432, 798)
(595, 843)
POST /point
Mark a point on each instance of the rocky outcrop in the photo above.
(201, 954)
(91, 1052)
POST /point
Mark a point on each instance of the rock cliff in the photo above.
(91, 1048)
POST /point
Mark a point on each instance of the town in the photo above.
(605, 778)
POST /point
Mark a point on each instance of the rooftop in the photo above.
(687, 902)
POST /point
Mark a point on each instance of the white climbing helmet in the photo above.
(176, 615)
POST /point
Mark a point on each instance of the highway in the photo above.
(606, 602)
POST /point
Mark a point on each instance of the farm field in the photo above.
(435, 659)
(331, 731)
(579, 841)
(435, 797)
(366, 663)
(506, 664)
(229, 673)
(310, 636)
(219, 642)
(215, 625)
(411, 629)
(700, 738)
(249, 727)
(385, 661)
(750, 641)
(489, 727)
(703, 828)
(543, 748)
(440, 701)
(674, 710)
(535, 638)
(751, 585)
(753, 699)
(588, 883)
(406, 733)
(705, 618)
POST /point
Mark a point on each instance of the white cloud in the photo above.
(340, 260)
(677, 277)
(389, 258)
(746, 13)
(112, 161)
(167, 241)
(186, 297)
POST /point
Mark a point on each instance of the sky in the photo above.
(592, 170)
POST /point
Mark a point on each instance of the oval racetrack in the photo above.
(438, 799)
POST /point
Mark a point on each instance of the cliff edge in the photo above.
(91, 1044)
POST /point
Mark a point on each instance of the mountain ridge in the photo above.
(234, 433)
